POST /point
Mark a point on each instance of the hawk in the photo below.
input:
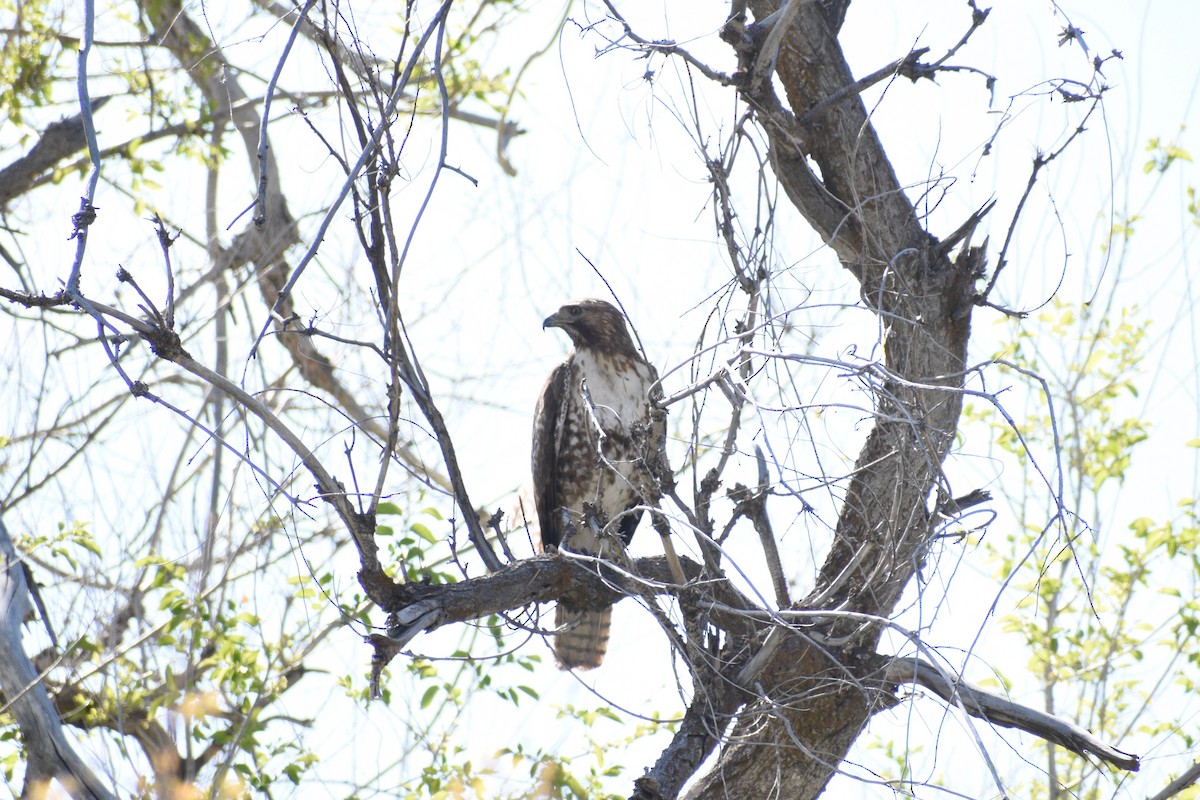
(592, 431)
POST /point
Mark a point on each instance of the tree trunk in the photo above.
(816, 694)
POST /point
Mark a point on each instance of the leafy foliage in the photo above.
(1085, 592)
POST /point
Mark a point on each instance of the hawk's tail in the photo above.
(584, 643)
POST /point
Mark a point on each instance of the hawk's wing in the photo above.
(548, 425)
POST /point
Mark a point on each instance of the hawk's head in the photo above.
(594, 324)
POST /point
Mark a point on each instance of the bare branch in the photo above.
(586, 583)
(1172, 789)
(58, 141)
(1005, 713)
(166, 344)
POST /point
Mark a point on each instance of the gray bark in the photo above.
(49, 756)
(60, 140)
(816, 692)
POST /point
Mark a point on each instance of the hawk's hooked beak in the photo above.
(552, 321)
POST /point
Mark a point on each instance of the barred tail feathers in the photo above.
(585, 641)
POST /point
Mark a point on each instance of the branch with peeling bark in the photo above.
(586, 583)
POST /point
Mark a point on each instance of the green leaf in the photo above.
(423, 532)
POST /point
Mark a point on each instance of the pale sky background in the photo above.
(606, 167)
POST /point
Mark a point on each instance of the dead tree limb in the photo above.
(1005, 713)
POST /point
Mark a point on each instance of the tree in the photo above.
(283, 362)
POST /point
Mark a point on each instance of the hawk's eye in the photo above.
(575, 311)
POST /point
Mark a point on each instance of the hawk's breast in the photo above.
(618, 387)
(602, 471)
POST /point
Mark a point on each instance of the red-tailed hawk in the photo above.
(592, 432)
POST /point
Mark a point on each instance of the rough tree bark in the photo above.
(816, 698)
